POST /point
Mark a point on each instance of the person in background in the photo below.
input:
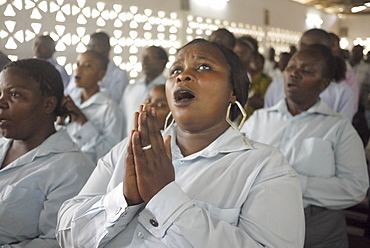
(338, 95)
(281, 64)
(206, 185)
(270, 63)
(44, 48)
(223, 36)
(154, 61)
(246, 48)
(115, 80)
(97, 123)
(362, 71)
(260, 83)
(157, 99)
(322, 146)
(40, 167)
(3, 60)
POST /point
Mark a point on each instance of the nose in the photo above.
(3, 102)
(184, 76)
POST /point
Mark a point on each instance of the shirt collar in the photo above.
(230, 141)
(320, 107)
(98, 98)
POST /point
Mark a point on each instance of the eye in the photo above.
(175, 71)
(290, 67)
(204, 67)
(87, 65)
(147, 100)
(15, 94)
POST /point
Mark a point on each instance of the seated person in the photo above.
(322, 146)
(40, 167)
(157, 99)
(96, 124)
(44, 48)
(206, 185)
(115, 80)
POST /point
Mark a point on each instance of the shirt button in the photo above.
(182, 162)
(79, 137)
(140, 235)
(154, 222)
(118, 210)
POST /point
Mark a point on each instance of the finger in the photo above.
(167, 145)
(143, 129)
(139, 158)
(155, 135)
(136, 121)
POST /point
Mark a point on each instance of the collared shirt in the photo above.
(34, 186)
(339, 96)
(62, 71)
(103, 129)
(114, 83)
(362, 71)
(322, 146)
(233, 193)
(134, 96)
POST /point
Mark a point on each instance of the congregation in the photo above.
(230, 148)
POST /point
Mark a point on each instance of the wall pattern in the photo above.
(132, 28)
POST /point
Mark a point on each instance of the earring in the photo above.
(166, 125)
(242, 112)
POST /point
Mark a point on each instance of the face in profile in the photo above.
(43, 48)
(198, 89)
(157, 97)
(89, 70)
(304, 78)
(22, 105)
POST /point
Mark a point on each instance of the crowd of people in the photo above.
(230, 149)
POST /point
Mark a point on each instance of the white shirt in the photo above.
(234, 193)
(62, 71)
(134, 96)
(114, 82)
(322, 146)
(339, 96)
(33, 187)
(103, 129)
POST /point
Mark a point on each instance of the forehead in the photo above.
(307, 57)
(157, 92)
(202, 50)
(17, 77)
(88, 56)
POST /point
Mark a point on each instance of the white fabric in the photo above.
(33, 187)
(234, 193)
(339, 96)
(134, 96)
(62, 71)
(322, 146)
(103, 129)
(114, 83)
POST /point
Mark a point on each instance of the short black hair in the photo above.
(161, 53)
(238, 77)
(100, 57)
(49, 78)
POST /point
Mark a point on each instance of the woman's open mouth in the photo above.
(183, 96)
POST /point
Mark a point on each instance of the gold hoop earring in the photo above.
(244, 114)
(166, 125)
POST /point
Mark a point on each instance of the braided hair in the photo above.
(47, 76)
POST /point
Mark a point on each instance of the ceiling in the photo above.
(338, 6)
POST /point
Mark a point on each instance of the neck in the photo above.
(295, 108)
(191, 142)
(150, 78)
(88, 92)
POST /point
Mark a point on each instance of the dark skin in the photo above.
(27, 115)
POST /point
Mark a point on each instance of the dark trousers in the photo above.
(325, 228)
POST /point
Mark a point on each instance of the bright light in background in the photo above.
(358, 9)
(343, 43)
(216, 4)
(314, 21)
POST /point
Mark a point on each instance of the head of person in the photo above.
(314, 36)
(154, 61)
(246, 48)
(157, 98)
(223, 36)
(334, 44)
(257, 63)
(357, 53)
(292, 49)
(91, 68)
(99, 42)
(43, 47)
(271, 55)
(31, 98)
(283, 60)
(204, 80)
(308, 73)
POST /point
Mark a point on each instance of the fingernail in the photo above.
(144, 116)
(153, 111)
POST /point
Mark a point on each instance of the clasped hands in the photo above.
(148, 166)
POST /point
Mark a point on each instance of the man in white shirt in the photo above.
(115, 79)
(44, 48)
(154, 61)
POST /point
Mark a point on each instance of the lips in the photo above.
(183, 96)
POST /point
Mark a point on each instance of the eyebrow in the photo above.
(200, 57)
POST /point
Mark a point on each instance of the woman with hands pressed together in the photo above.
(200, 184)
(96, 123)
